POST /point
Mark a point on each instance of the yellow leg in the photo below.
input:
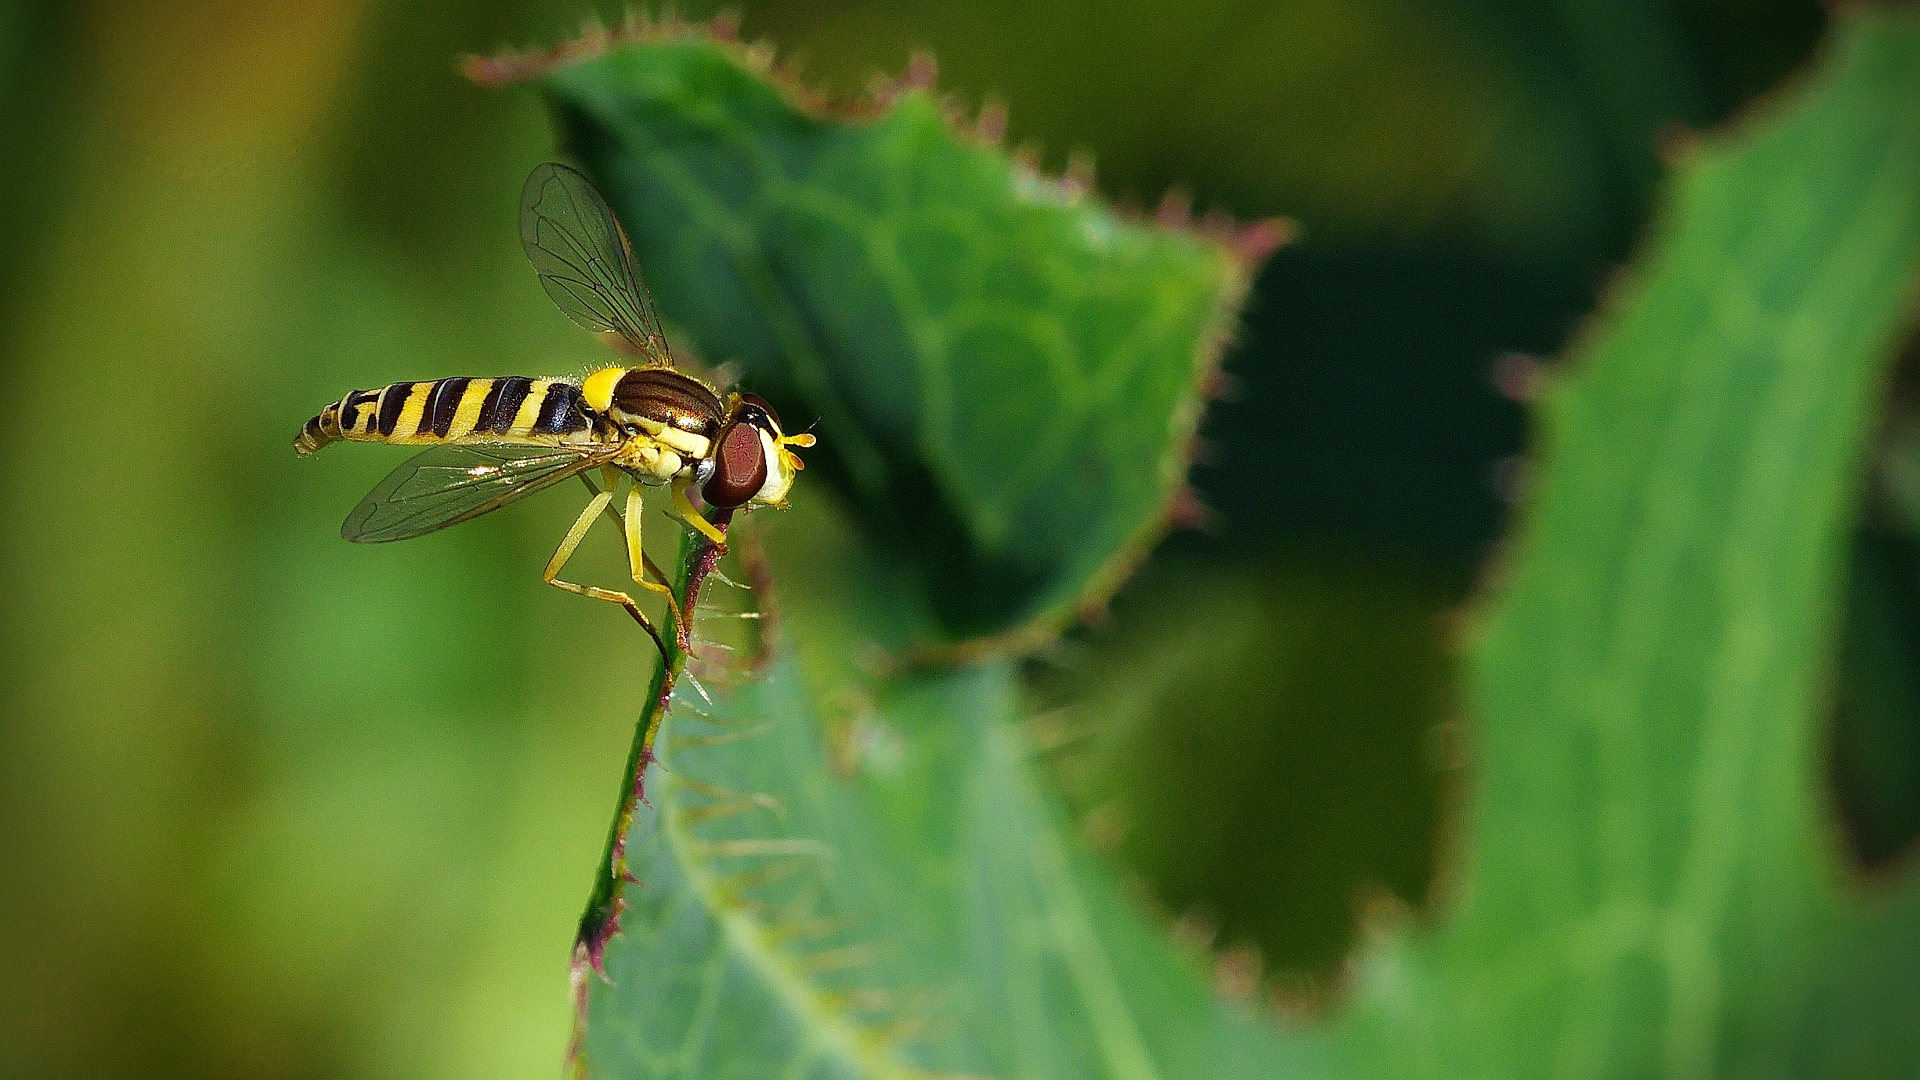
(646, 562)
(637, 557)
(692, 517)
(574, 535)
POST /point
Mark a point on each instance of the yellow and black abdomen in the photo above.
(505, 410)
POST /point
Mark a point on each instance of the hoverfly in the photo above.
(496, 441)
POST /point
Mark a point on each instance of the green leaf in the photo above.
(1005, 373)
(855, 869)
(851, 875)
(1654, 882)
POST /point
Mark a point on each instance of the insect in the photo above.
(495, 441)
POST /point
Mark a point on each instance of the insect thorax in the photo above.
(664, 458)
(669, 420)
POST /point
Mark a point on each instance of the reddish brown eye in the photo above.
(739, 467)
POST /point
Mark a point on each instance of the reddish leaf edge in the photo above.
(1247, 246)
(600, 923)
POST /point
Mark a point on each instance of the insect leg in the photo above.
(637, 557)
(612, 514)
(692, 517)
(646, 561)
(574, 535)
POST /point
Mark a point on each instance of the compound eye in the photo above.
(739, 466)
(755, 410)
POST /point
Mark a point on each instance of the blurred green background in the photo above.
(272, 805)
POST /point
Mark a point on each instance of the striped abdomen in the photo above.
(506, 410)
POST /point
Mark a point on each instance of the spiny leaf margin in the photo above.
(1012, 565)
(1653, 883)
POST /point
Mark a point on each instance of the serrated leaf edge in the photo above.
(1245, 247)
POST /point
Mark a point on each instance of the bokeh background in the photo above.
(273, 805)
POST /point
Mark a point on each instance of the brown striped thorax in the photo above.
(492, 441)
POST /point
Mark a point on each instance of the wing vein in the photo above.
(446, 485)
(585, 260)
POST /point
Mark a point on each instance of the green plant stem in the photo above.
(601, 921)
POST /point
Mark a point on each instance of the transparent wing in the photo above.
(584, 259)
(447, 485)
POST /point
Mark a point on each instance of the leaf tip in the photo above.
(1078, 177)
(1518, 377)
(991, 125)
(1252, 243)
(1255, 241)
(488, 71)
(1185, 510)
(1676, 145)
(1219, 384)
(1025, 158)
(1238, 973)
(762, 56)
(1195, 931)
(922, 72)
(1175, 210)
